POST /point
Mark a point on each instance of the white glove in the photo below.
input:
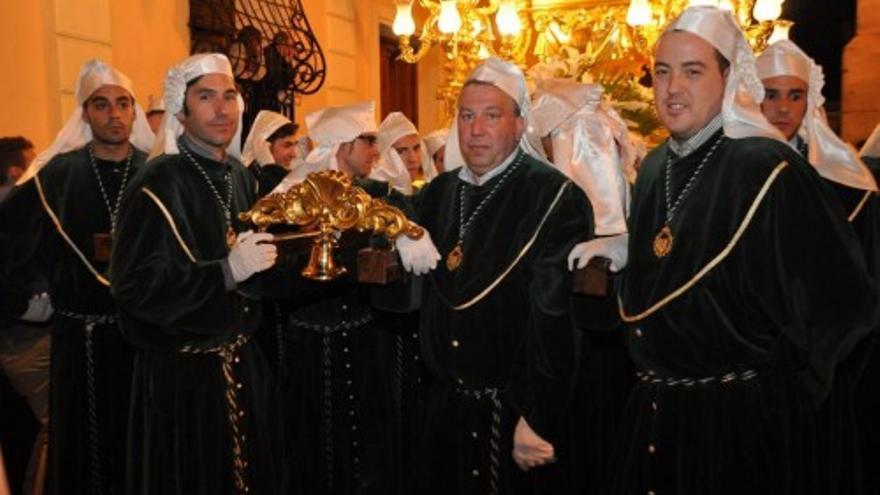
(613, 248)
(418, 257)
(249, 256)
(39, 309)
(263, 153)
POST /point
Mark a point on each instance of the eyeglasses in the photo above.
(370, 139)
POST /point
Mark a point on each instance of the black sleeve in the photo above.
(24, 231)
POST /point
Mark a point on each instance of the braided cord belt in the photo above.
(327, 332)
(733, 376)
(495, 429)
(228, 354)
(279, 334)
(91, 321)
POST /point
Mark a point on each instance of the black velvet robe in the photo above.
(30, 243)
(174, 310)
(790, 301)
(848, 432)
(335, 358)
(866, 397)
(519, 339)
(267, 176)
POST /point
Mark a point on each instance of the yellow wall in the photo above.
(27, 107)
(52, 39)
(143, 37)
(352, 53)
(141, 58)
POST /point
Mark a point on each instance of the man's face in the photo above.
(410, 150)
(213, 111)
(357, 157)
(688, 83)
(440, 159)
(155, 121)
(488, 127)
(109, 111)
(283, 150)
(785, 103)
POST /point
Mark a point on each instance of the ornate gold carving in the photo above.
(325, 205)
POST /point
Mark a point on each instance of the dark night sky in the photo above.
(822, 28)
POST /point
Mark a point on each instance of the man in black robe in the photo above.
(590, 144)
(337, 356)
(495, 327)
(203, 420)
(270, 149)
(740, 305)
(795, 105)
(57, 226)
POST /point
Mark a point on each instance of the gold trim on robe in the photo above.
(715, 261)
(519, 256)
(171, 223)
(858, 208)
(101, 279)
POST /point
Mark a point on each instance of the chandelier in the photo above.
(759, 19)
(605, 41)
(465, 30)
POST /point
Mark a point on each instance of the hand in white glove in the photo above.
(613, 248)
(251, 253)
(39, 309)
(263, 153)
(418, 257)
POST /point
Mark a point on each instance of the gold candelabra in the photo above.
(611, 39)
(323, 206)
(465, 32)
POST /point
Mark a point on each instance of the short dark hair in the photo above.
(189, 84)
(86, 103)
(12, 154)
(476, 82)
(287, 130)
(723, 63)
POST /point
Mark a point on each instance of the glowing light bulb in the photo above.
(638, 13)
(780, 31)
(404, 25)
(725, 5)
(507, 19)
(449, 21)
(767, 10)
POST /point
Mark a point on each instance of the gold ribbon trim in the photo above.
(522, 253)
(101, 279)
(859, 206)
(171, 223)
(715, 261)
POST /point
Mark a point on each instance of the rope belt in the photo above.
(94, 319)
(327, 410)
(279, 333)
(90, 321)
(495, 428)
(228, 353)
(329, 329)
(733, 376)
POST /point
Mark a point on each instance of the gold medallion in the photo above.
(453, 259)
(663, 242)
(103, 246)
(230, 237)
